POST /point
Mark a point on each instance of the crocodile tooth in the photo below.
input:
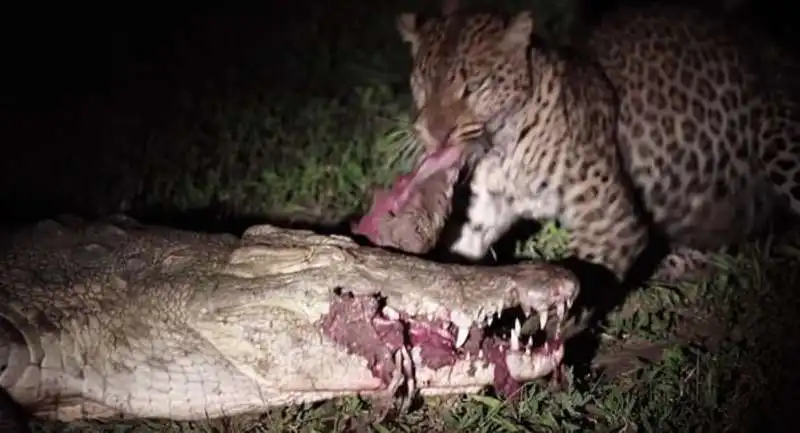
(561, 309)
(461, 338)
(515, 336)
(517, 327)
(489, 320)
(460, 319)
(530, 341)
(479, 316)
(416, 353)
(542, 319)
(480, 353)
(390, 313)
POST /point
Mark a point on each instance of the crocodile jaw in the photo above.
(447, 351)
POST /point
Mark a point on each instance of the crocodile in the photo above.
(116, 318)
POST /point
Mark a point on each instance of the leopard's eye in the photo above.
(472, 84)
(475, 85)
(468, 85)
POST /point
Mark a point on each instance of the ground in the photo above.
(299, 130)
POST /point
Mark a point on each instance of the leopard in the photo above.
(663, 124)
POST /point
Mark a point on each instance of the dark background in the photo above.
(83, 88)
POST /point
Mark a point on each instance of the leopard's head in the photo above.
(470, 73)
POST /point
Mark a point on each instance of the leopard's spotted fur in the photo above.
(671, 112)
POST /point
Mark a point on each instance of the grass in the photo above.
(304, 126)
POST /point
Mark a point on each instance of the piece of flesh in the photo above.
(443, 159)
(411, 215)
(416, 226)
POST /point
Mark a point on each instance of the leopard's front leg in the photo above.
(604, 225)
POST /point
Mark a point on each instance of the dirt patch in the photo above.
(619, 357)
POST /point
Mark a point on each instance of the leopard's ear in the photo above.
(406, 24)
(519, 31)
